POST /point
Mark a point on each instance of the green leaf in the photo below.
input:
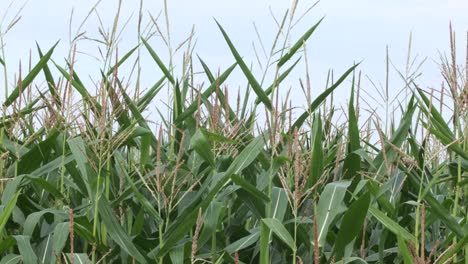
(11, 259)
(25, 249)
(246, 157)
(12, 189)
(444, 215)
(264, 243)
(61, 233)
(218, 137)
(50, 80)
(351, 224)
(37, 154)
(221, 96)
(13, 147)
(46, 186)
(137, 131)
(33, 219)
(317, 152)
(279, 203)
(250, 77)
(117, 106)
(187, 220)
(299, 43)
(78, 149)
(454, 250)
(450, 142)
(353, 129)
(381, 198)
(352, 162)
(254, 205)
(8, 120)
(121, 61)
(158, 61)
(210, 222)
(318, 101)
(279, 80)
(30, 77)
(435, 116)
(391, 225)
(354, 260)
(6, 243)
(146, 99)
(80, 258)
(138, 115)
(249, 188)
(7, 210)
(397, 139)
(277, 227)
(404, 250)
(207, 70)
(116, 231)
(328, 207)
(149, 208)
(438, 209)
(206, 94)
(79, 87)
(203, 147)
(177, 255)
(242, 243)
(138, 222)
(145, 144)
(176, 111)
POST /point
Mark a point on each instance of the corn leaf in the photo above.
(298, 44)
(248, 74)
(29, 77)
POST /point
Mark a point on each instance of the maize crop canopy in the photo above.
(98, 174)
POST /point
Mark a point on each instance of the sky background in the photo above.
(353, 31)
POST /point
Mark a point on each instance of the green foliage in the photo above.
(90, 179)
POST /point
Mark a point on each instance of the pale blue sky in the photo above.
(357, 30)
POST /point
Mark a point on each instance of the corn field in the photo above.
(225, 176)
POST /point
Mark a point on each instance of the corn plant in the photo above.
(86, 177)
